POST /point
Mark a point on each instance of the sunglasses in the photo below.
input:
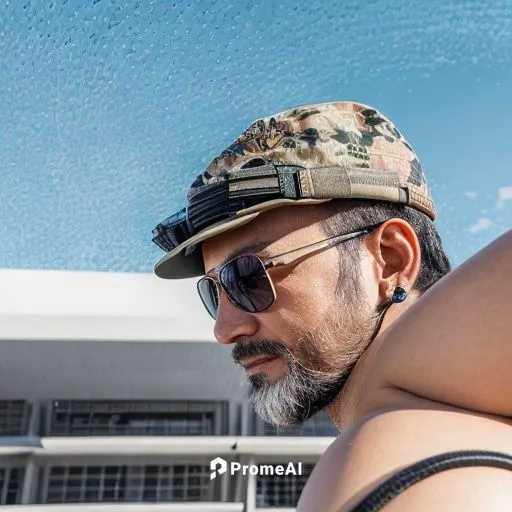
(245, 279)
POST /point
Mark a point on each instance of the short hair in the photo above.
(350, 215)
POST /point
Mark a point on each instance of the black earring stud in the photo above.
(399, 295)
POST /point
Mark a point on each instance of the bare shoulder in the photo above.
(379, 446)
(454, 345)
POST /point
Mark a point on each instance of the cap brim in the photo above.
(176, 264)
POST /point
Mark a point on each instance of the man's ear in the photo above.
(396, 250)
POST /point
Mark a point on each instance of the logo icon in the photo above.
(218, 466)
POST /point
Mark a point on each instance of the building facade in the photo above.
(113, 393)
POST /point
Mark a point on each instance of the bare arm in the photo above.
(454, 345)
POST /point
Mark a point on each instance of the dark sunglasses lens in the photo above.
(247, 284)
(209, 295)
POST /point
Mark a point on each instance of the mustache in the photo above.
(258, 347)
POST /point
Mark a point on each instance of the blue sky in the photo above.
(110, 109)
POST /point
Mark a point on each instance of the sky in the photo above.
(109, 109)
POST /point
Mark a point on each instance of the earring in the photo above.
(399, 295)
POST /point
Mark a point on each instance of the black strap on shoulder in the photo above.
(401, 481)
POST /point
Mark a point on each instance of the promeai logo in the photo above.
(219, 466)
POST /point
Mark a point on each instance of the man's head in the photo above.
(327, 307)
(300, 328)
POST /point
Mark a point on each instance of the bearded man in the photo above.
(314, 239)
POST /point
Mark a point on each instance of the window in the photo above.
(11, 483)
(179, 482)
(14, 417)
(281, 490)
(77, 418)
(319, 425)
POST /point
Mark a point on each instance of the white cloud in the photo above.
(504, 194)
(470, 194)
(481, 225)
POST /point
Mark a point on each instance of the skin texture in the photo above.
(437, 361)
(376, 446)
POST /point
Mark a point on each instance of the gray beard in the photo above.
(296, 396)
(303, 391)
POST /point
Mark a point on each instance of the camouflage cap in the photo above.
(307, 155)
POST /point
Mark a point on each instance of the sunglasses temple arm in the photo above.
(290, 256)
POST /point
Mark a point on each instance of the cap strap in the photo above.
(335, 182)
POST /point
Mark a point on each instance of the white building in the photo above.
(113, 393)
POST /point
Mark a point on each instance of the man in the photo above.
(314, 236)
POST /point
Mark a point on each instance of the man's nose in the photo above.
(231, 322)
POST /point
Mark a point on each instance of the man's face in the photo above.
(297, 353)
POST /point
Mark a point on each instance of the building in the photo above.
(113, 393)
